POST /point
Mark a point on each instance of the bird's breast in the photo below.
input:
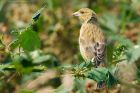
(89, 35)
(86, 34)
(86, 47)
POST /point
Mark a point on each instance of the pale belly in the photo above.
(87, 50)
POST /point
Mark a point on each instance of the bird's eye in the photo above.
(82, 12)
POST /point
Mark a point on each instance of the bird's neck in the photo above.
(93, 19)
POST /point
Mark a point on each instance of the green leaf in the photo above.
(87, 64)
(118, 52)
(2, 3)
(135, 19)
(102, 74)
(97, 74)
(42, 58)
(133, 54)
(18, 67)
(121, 40)
(109, 49)
(29, 40)
(111, 81)
(79, 85)
(39, 68)
(110, 22)
(7, 67)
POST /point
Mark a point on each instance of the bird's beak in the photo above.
(76, 14)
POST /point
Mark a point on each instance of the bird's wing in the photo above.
(99, 45)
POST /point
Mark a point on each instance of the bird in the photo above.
(91, 39)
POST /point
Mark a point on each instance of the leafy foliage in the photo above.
(86, 70)
(29, 40)
(44, 42)
(133, 54)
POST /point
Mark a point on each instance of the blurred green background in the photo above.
(33, 53)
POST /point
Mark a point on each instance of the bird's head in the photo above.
(85, 14)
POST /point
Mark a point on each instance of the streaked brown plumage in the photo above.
(91, 39)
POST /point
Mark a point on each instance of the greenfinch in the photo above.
(91, 38)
